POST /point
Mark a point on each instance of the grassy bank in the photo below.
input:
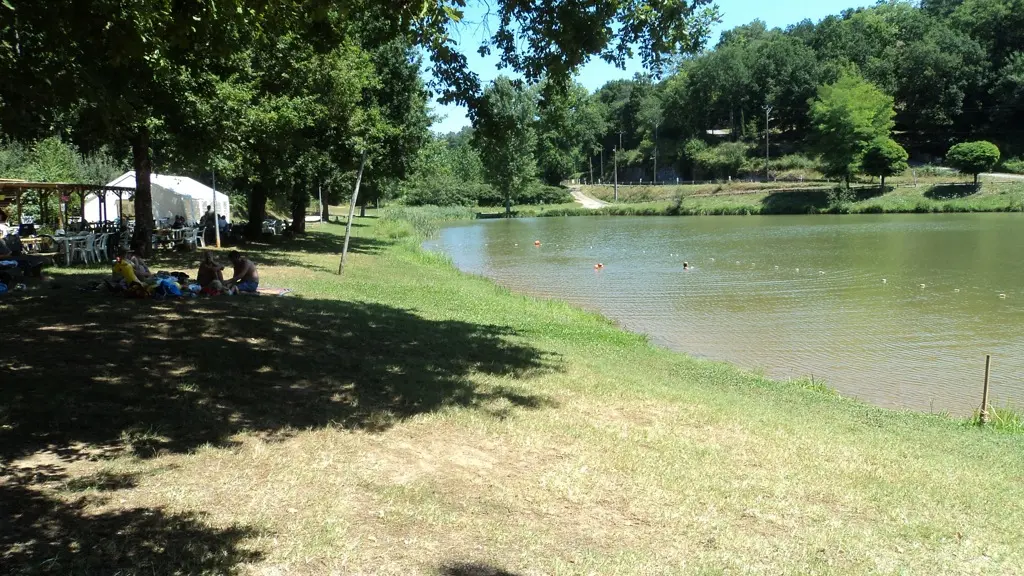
(410, 419)
(740, 200)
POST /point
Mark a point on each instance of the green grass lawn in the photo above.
(411, 419)
(744, 198)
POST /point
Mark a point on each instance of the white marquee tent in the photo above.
(172, 196)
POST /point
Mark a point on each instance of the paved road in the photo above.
(586, 201)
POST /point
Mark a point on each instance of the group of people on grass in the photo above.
(132, 274)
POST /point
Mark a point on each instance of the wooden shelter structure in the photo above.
(18, 188)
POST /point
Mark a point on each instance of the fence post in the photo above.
(984, 391)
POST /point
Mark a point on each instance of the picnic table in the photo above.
(68, 244)
(169, 236)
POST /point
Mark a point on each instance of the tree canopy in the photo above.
(973, 157)
(506, 138)
(847, 116)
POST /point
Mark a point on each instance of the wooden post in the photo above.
(984, 391)
(351, 214)
(18, 196)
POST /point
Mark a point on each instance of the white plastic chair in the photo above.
(100, 250)
(85, 249)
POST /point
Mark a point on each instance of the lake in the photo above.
(897, 310)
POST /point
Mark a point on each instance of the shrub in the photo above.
(544, 194)
(883, 158)
(973, 157)
(1013, 165)
(443, 192)
(723, 161)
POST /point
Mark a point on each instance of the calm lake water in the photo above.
(898, 310)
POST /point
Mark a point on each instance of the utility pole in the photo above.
(617, 158)
(656, 153)
(767, 111)
(602, 161)
(615, 152)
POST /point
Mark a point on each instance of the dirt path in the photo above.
(586, 201)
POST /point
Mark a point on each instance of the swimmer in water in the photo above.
(686, 265)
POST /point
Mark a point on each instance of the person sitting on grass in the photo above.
(29, 265)
(142, 271)
(246, 278)
(209, 271)
(123, 270)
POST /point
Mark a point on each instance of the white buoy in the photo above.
(797, 269)
(957, 290)
(712, 259)
(884, 281)
(822, 272)
(776, 267)
(922, 285)
(1002, 295)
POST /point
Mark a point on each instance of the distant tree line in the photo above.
(283, 98)
(938, 73)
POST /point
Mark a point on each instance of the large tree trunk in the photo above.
(143, 162)
(883, 183)
(300, 200)
(257, 210)
(325, 208)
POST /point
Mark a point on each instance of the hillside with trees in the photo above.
(939, 73)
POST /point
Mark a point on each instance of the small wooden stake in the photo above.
(984, 390)
(351, 214)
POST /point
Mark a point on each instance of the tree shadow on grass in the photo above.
(472, 569)
(40, 534)
(95, 375)
(950, 191)
(795, 202)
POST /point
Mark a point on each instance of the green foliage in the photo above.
(424, 221)
(506, 138)
(973, 157)
(884, 158)
(722, 161)
(568, 126)
(1013, 165)
(847, 116)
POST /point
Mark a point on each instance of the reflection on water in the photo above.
(896, 310)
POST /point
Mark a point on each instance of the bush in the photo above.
(425, 221)
(973, 157)
(1013, 165)
(884, 157)
(544, 194)
(723, 161)
(442, 192)
(794, 163)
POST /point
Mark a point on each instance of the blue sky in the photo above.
(775, 13)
